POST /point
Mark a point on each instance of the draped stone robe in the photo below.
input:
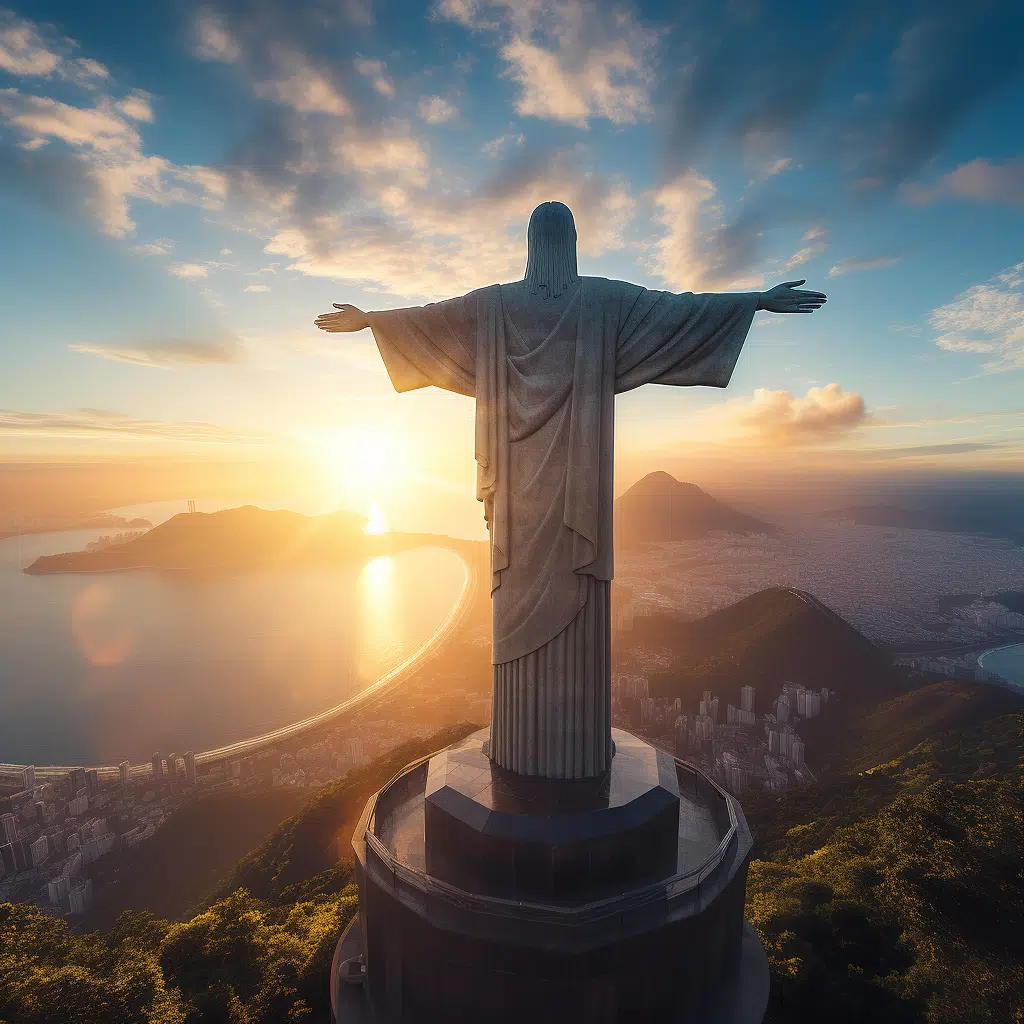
(544, 373)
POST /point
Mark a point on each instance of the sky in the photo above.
(184, 187)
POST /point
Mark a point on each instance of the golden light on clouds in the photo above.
(781, 419)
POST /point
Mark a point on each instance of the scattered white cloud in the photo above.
(496, 147)
(415, 244)
(27, 51)
(188, 271)
(214, 41)
(872, 263)
(693, 253)
(137, 107)
(91, 423)
(87, 156)
(814, 245)
(437, 110)
(167, 353)
(257, 288)
(225, 252)
(374, 70)
(22, 49)
(572, 59)
(977, 179)
(303, 88)
(159, 247)
(987, 319)
(781, 419)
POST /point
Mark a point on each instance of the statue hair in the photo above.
(551, 250)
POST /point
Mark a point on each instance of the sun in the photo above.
(365, 458)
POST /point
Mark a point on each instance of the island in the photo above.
(246, 538)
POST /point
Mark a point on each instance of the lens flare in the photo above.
(100, 632)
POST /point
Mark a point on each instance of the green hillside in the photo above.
(774, 635)
(891, 891)
(898, 896)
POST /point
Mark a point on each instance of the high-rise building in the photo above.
(8, 829)
(39, 851)
(747, 698)
(682, 735)
(740, 716)
(125, 770)
(796, 749)
(709, 706)
(76, 781)
(92, 781)
(190, 767)
(782, 708)
(248, 766)
(158, 766)
(172, 768)
(28, 777)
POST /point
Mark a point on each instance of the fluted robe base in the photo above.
(551, 714)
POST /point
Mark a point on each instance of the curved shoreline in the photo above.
(1019, 686)
(247, 746)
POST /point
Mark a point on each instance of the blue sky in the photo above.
(184, 187)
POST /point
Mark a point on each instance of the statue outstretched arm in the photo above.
(788, 297)
(348, 318)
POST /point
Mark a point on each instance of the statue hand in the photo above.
(348, 318)
(787, 298)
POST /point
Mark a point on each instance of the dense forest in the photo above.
(892, 894)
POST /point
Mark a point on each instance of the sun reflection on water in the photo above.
(379, 630)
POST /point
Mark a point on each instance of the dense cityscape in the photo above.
(891, 584)
(52, 831)
(741, 749)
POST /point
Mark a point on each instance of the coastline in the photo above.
(1003, 680)
(365, 696)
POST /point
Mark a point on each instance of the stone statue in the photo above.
(544, 358)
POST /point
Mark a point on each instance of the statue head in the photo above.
(551, 250)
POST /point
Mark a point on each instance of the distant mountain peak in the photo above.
(659, 507)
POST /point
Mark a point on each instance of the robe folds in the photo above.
(544, 373)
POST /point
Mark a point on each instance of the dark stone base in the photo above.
(667, 943)
(742, 999)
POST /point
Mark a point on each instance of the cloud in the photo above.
(746, 76)
(26, 51)
(871, 263)
(374, 70)
(159, 247)
(697, 250)
(167, 353)
(781, 419)
(437, 110)
(213, 41)
(978, 179)
(257, 288)
(986, 319)
(83, 158)
(413, 243)
(272, 45)
(91, 423)
(188, 271)
(572, 59)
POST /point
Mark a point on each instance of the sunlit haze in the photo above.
(190, 185)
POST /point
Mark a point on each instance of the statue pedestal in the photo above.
(489, 896)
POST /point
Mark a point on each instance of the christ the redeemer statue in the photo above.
(544, 358)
